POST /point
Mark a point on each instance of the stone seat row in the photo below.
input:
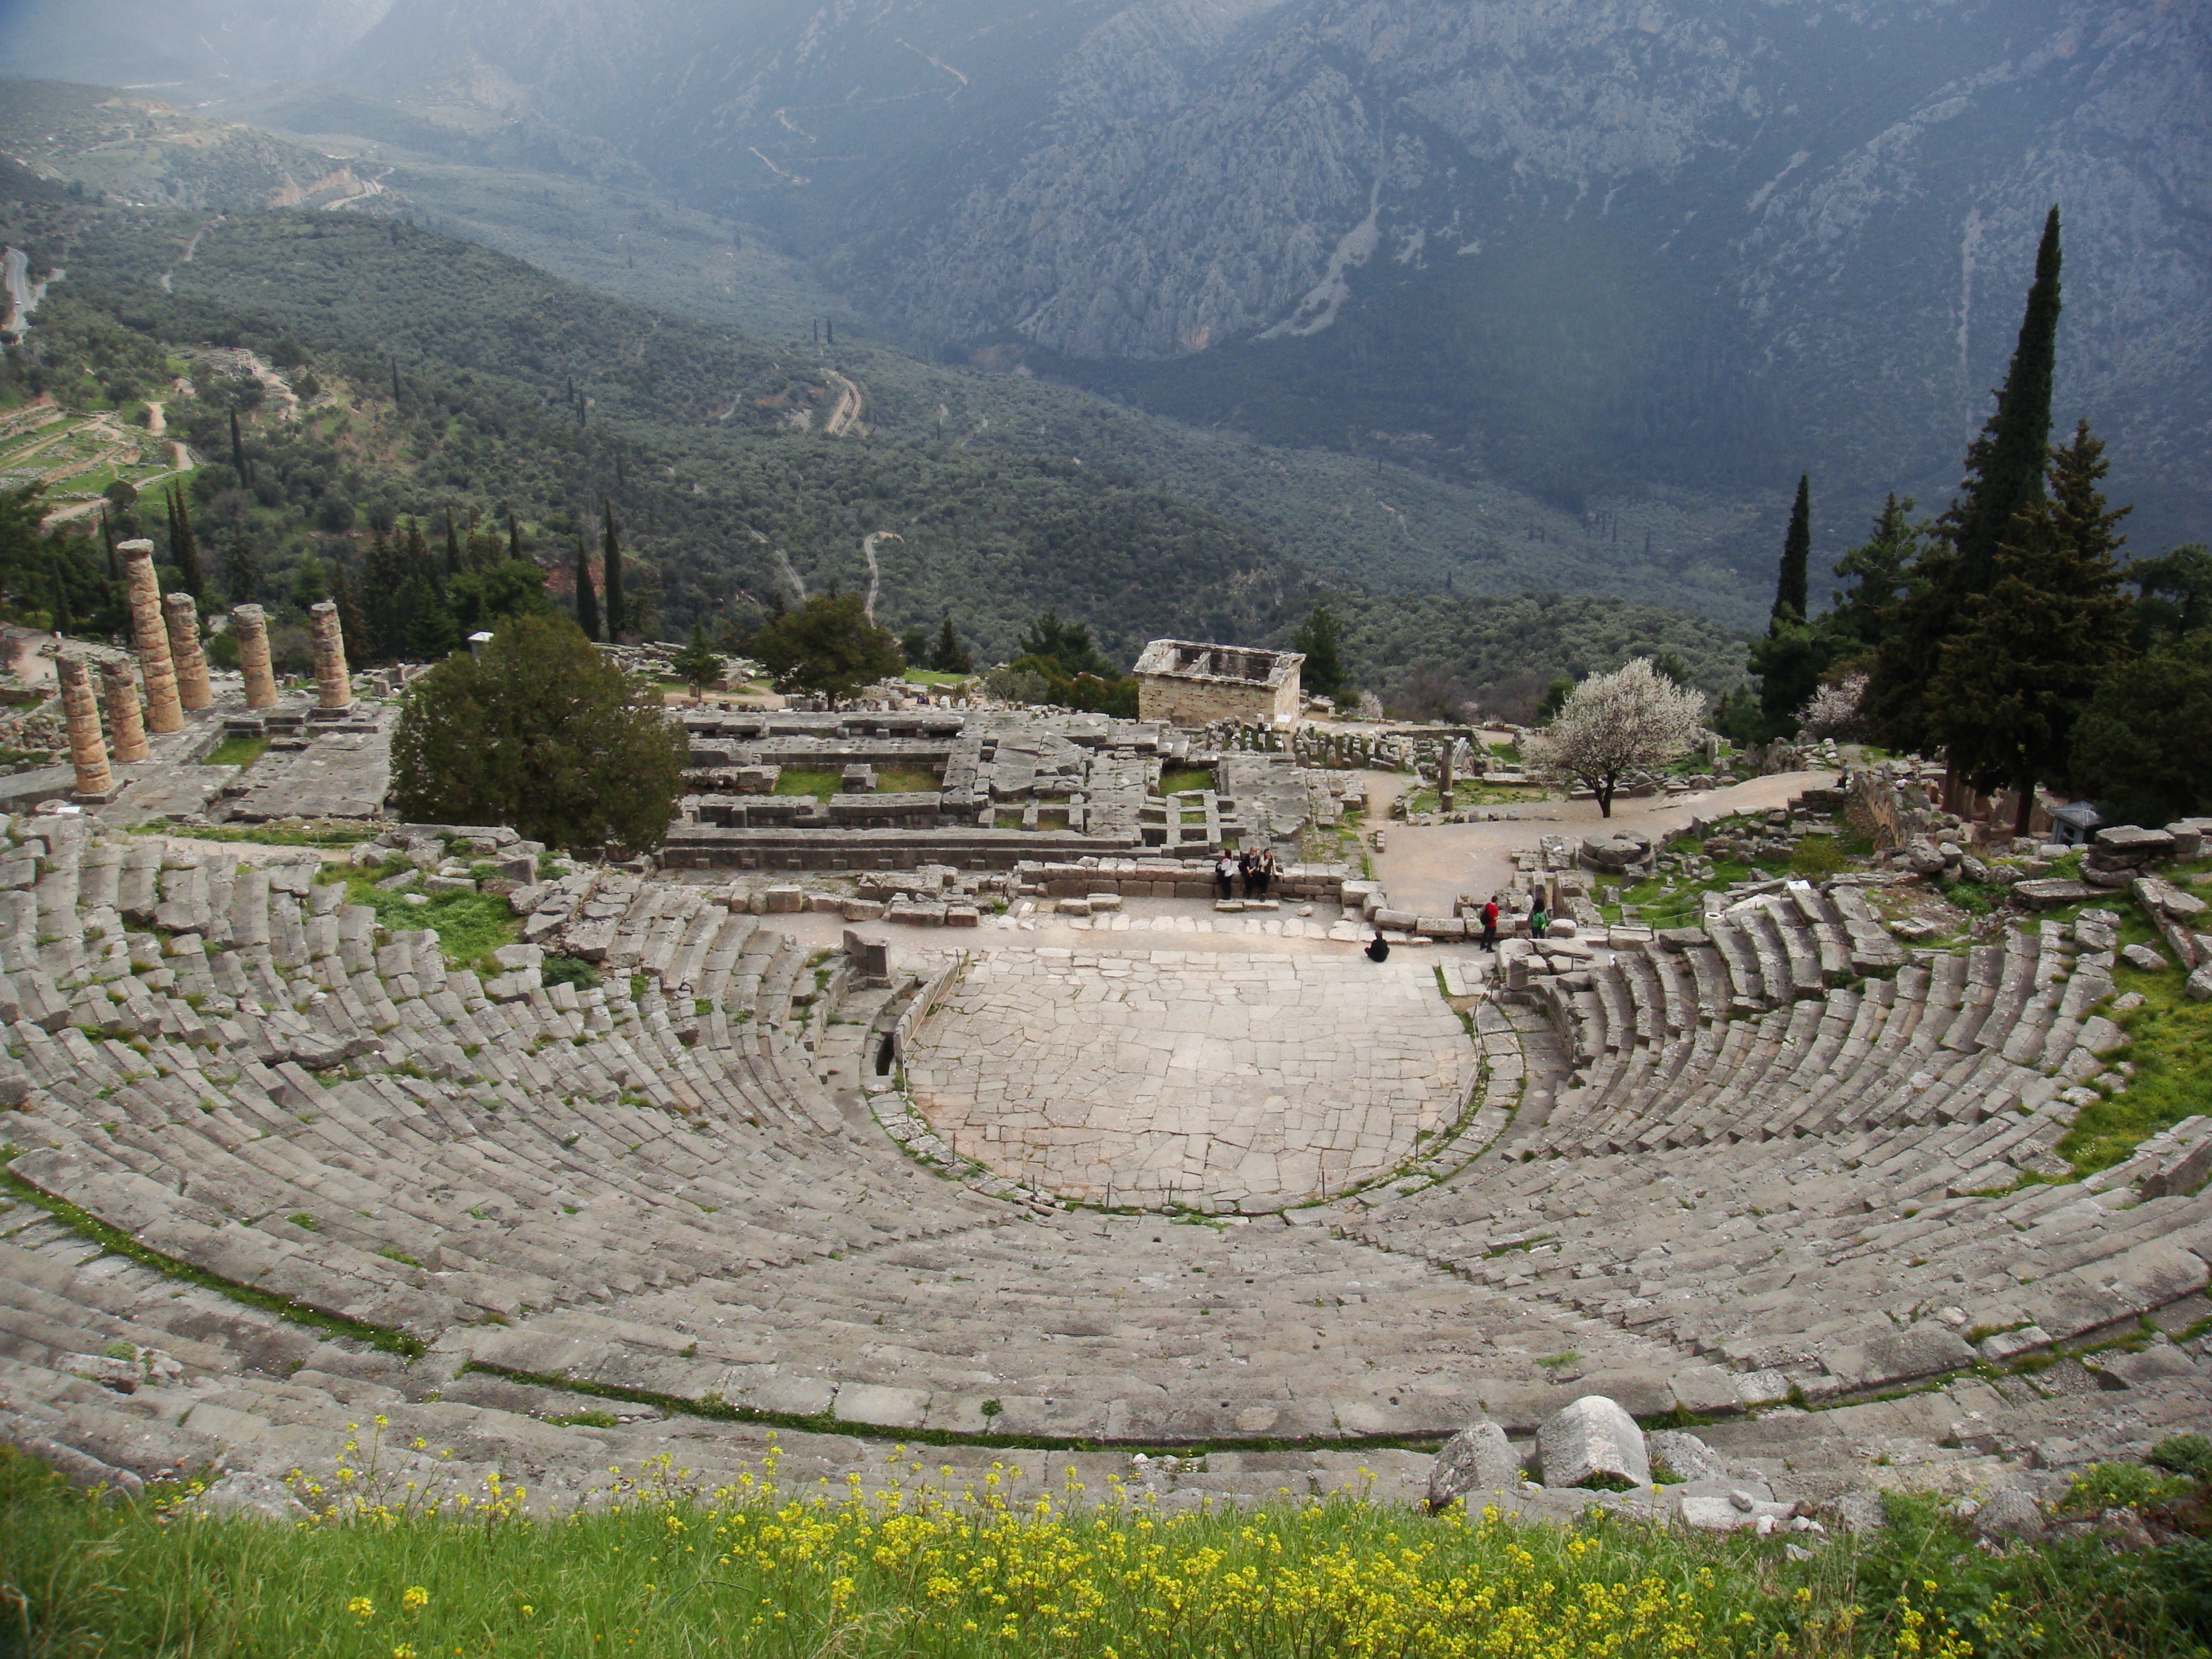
(1837, 1262)
(115, 1376)
(1955, 1037)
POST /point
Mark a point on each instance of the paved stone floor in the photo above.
(1215, 1079)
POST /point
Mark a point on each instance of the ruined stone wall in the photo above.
(1177, 700)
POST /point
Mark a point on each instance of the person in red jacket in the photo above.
(1490, 924)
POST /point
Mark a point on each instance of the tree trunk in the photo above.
(1604, 799)
(2026, 809)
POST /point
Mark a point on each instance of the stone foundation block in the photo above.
(859, 910)
(1591, 1439)
(963, 915)
(779, 901)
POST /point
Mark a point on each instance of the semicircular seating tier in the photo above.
(1736, 1169)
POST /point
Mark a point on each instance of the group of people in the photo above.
(1256, 869)
(1540, 924)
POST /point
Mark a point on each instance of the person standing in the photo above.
(1539, 920)
(1223, 874)
(1490, 924)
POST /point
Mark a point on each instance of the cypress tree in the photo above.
(238, 451)
(2004, 474)
(452, 548)
(107, 539)
(610, 560)
(64, 622)
(1877, 568)
(2035, 647)
(351, 623)
(395, 383)
(949, 657)
(185, 550)
(587, 598)
(1791, 588)
(383, 576)
(420, 566)
(241, 571)
(514, 536)
(2004, 467)
(1789, 661)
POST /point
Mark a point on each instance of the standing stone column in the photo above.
(184, 619)
(124, 720)
(88, 751)
(250, 625)
(333, 687)
(163, 712)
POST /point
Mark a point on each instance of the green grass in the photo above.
(906, 780)
(261, 835)
(931, 676)
(820, 785)
(236, 752)
(2170, 1042)
(664, 1571)
(1177, 780)
(469, 925)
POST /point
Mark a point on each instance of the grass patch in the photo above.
(237, 752)
(1178, 780)
(820, 785)
(263, 835)
(751, 1570)
(573, 971)
(1006, 820)
(931, 676)
(906, 780)
(469, 925)
(2170, 1042)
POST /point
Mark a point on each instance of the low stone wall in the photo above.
(1171, 878)
(933, 992)
(702, 846)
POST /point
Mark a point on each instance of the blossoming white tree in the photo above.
(1832, 711)
(1630, 720)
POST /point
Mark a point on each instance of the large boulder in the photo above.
(1618, 851)
(1689, 1457)
(1478, 1458)
(1592, 1441)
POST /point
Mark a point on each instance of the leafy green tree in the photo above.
(22, 552)
(1555, 697)
(611, 561)
(384, 573)
(698, 665)
(541, 732)
(2173, 595)
(828, 645)
(2143, 748)
(914, 645)
(351, 623)
(311, 585)
(241, 569)
(483, 598)
(587, 595)
(2005, 475)
(949, 657)
(2015, 681)
(1068, 644)
(1321, 640)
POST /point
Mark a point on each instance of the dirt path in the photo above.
(790, 575)
(1427, 867)
(875, 571)
(157, 418)
(845, 414)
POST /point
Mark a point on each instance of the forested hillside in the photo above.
(407, 378)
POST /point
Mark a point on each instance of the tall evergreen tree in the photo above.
(383, 574)
(1792, 591)
(452, 548)
(418, 563)
(237, 452)
(513, 536)
(64, 620)
(1789, 661)
(241, 570)
(949, 657)
(2035, 647)
(611, 561)
(1321, 640)
(2004, 473)
(588, 598)
(352, 623)
(185, 549)
(1876, 569)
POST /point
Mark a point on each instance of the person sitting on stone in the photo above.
(1378, 948)
(1248, 865)
(1224, 871)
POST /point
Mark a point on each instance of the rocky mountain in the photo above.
(1603, 249)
